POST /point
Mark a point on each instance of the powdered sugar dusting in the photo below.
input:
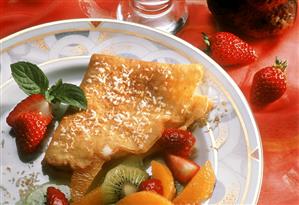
(127, 105)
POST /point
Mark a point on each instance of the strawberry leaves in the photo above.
(31, 79)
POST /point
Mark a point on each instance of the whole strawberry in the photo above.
(30, 129)
(154, 185)
(269, 83)
(29, 120)
(176, 141)
(229, 50)
(31, 117)
(33, 103)
(56, 197)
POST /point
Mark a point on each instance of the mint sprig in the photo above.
(29, 77)
(67, 93)
(32, 80)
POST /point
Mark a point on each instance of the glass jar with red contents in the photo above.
(256, 18)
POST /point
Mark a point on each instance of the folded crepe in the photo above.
(130, 103)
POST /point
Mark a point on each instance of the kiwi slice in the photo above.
(120, 182)
(178, 187)
(133, 161)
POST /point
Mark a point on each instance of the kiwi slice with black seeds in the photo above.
(120, 182)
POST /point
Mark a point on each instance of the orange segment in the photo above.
(162, 173)
(92, 198)
(82, 179)
(144, 198)
(200, 187)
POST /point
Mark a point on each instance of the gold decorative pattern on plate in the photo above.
(95, 24)
(255, 154)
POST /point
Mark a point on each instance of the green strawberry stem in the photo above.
(207, 42)
(279, 64)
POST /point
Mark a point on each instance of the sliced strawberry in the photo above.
(30, 128)
(154, 185)
(178, 142)
(33, 103)
(182, 169)
(29, 120)
(56, 197)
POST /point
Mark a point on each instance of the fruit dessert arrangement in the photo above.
(172, 180)
(111, 163)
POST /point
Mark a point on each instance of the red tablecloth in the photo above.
(278, 123)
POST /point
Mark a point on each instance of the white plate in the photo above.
(62, 49)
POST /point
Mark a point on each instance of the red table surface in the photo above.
(278, 123)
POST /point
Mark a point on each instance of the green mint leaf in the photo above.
(58, 83)
(69, 94)
(29, 77)
(49, 97)
(53, 88)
